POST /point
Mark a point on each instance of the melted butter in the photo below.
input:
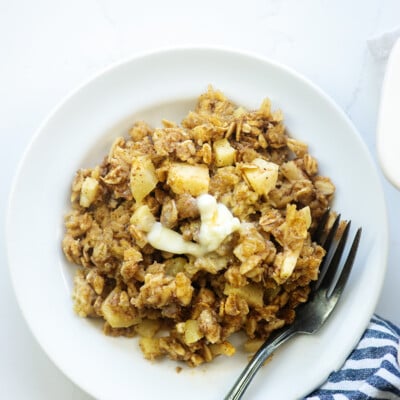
(166, 239)
(217, 222)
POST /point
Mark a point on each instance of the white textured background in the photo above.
(48, 47)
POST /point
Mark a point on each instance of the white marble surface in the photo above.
(48, 47)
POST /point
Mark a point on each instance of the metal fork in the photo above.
(324, 295)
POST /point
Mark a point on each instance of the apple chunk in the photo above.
(89, 191)
(224, 153)
(261, 175)
(143, 178)
(185, 178)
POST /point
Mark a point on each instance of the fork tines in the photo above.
(334, 243)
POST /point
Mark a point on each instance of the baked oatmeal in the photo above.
(188, 233)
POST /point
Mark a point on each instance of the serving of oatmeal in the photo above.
(190, 232)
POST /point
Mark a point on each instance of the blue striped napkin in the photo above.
(372, 370)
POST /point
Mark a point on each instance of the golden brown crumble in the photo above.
(186, 307)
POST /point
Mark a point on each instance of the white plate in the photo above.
(79, 132)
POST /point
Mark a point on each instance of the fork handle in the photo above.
(257, 361)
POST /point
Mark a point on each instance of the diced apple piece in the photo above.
(224, 153)
(117, 310)
(150, 347)
(253, 293)
(192, 331)
(89, 191)
(225, 348)
(289, 262)
(148, 328)
(185, 178)
(142, 218)
(261, 175)
(143, 177)
(296, 227)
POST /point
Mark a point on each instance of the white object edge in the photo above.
(388, 129)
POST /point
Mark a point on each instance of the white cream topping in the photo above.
(166, 239)
(217, 222)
